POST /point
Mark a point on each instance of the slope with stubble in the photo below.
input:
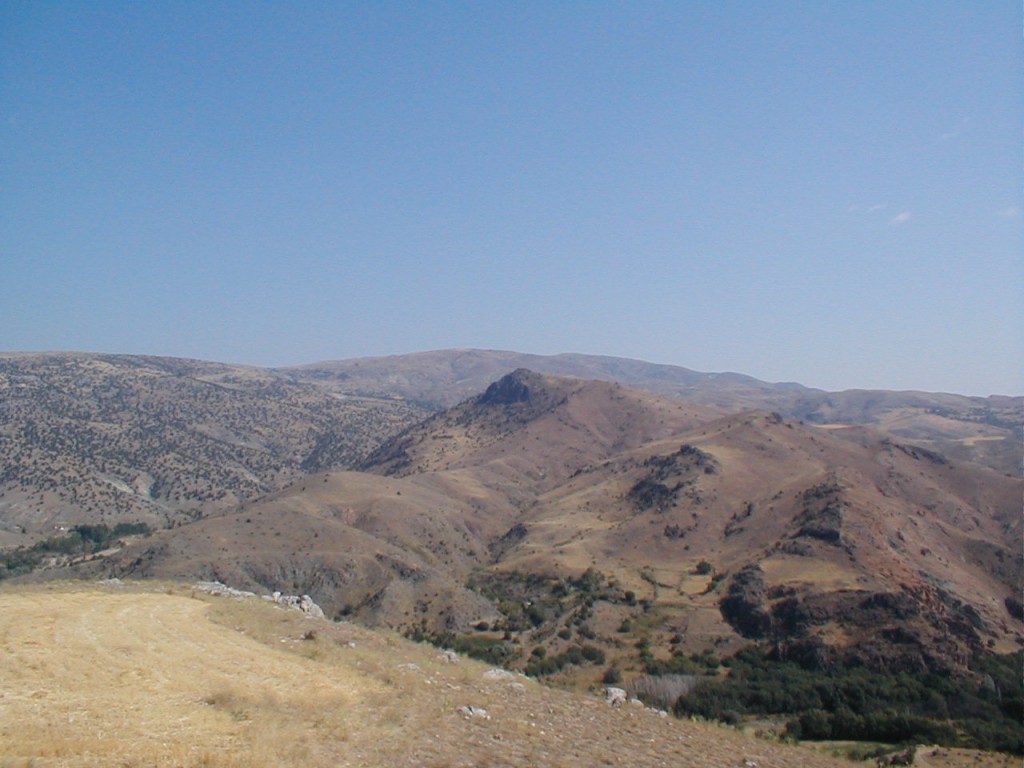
(984, 430)
(698, 529)
(166, 676)
(110, 438)
(89, 439)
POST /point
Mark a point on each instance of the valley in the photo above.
(580, 529)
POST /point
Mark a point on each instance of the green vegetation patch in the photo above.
(982, 709)
(81, 540)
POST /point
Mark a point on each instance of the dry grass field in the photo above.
(160, 676)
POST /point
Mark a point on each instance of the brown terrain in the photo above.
(986, 430)
(700, 530)
(110, 438)
(543, 517)
(162, 675)
(88, 438)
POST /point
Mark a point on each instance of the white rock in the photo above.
(498, 674)
(616, 697)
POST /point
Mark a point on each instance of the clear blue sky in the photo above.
(825, 192)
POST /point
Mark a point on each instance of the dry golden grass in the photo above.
(97, 678)
(825, 574)
(159, 677)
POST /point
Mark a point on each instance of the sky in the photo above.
(821, 192)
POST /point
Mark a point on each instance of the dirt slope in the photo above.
(126, 676)
(985, 430)
(88, 438)
(91, 438)
(829, 544)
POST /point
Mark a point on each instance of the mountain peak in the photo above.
(516, 387)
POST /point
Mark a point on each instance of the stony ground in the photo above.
(135, 676)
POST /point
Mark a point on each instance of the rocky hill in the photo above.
(985, 430)
(555, 513)
(111, 438)
(90, 439)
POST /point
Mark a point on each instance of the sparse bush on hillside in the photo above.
(574, 655)
(492, 650)
(857, 704)
(531, 602)
(81, 540)
(681, 664)
(612, 676)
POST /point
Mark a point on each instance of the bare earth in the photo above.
(132, 676)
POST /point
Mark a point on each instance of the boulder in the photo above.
(615, 697)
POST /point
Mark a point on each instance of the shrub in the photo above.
(611, 676)
(857, 704)
(574, 655)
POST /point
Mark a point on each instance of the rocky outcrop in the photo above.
(615, 697)
(513, 388)
(906, 630)
(302, 603)
(822, 517)
(744, 606)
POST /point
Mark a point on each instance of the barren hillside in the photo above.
(699, 531)
(102, 439)
(981, 429)
(163, 676)
(111, 438)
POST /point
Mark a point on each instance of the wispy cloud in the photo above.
(1010, 212)
(855, 208)
(900, 218)
(956, 130)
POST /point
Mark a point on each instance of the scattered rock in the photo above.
(616, 697)
(471, 712)
(222, 590)
(303, 603)
(906, 757)
(449, 657)
(498, 674)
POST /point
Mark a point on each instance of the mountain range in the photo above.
(645, 512)
(163, 439)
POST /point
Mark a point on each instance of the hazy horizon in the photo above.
(826, 194)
